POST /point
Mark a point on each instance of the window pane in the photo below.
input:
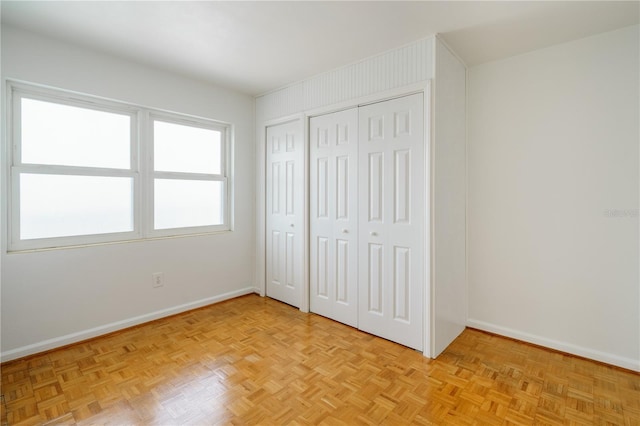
(179, 148)
(73, 136)
(185, 203)
(61, 205)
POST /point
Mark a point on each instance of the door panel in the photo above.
(375, 280)
(342, 271)
(391, 225)
(375, 186)
(333, 222)
(401, 282)
(285, 213)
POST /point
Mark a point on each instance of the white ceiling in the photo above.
(255, 47)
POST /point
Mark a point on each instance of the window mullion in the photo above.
(144, 162)
(73, 170)
(187, 176)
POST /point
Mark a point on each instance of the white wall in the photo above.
(553, 197)
(55, 297)
(449, 282)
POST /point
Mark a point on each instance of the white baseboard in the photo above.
(68, 339)
(628, 363)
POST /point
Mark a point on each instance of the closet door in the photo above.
(285, 212)
(391, 220)
(334, 221)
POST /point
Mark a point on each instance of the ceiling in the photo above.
(258, 46)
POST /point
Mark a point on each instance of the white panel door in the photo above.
(333, 224)
(391, 220)
(285, 212)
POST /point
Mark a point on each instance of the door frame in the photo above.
(304, 117)
(261, 192)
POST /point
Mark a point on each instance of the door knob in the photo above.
(345, 231)
(373, 234)
(291, 225)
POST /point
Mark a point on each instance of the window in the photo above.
(188, 184)
(85, 170)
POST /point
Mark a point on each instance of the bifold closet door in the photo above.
(285, 212)
(391, 220)
(333, 223)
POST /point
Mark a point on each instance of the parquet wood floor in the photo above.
(253, 360)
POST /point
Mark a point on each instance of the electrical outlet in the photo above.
(157, 279)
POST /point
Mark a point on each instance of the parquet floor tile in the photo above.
(253, 360)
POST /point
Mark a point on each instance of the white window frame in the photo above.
(222, 177)
(140, 171)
